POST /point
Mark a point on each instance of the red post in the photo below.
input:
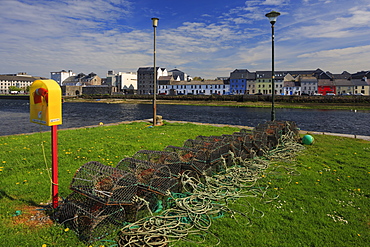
(54, 167)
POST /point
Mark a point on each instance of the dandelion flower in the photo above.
(66, 230)
(296, 182)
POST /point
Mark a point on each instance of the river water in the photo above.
(14, 116)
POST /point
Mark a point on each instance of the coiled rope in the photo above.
(192, 212)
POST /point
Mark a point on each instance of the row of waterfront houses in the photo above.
(242, 81)
(305, 82)
(176, 82)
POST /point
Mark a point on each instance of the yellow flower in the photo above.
(4, 161)
(338, 179)
(44, 245)
(296, 182)
(66, 230)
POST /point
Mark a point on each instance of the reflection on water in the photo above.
(14, 116)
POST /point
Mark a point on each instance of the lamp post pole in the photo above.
(155, 24)
(272, 17)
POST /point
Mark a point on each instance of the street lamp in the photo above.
(272, 17)
(155, 24)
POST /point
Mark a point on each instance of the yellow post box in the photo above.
(45, 103)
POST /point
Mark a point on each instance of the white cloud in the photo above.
(343, 53)
(275, 2)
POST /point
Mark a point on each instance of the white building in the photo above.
(20, 80)
(172, 87)
(122, 80)
(60, 76)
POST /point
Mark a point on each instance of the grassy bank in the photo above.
(323, 201)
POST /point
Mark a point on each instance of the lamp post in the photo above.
(155, 24)
(272, 17)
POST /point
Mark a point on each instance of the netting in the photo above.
(150, 176)
(105, 184)
(186, 184)
(90, 219)
(170, 159)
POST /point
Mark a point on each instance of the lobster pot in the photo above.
(219, 152)
(260, 142)
(249, 147)
(202, 163)
(105, 184)
(237, 147)
(169, 159)
(203, 142)
(91, 220)
(227, 138)
(246, 131)
(150, 176)
(291, 129)
(213, 139)
(145, 202)
(185, 155)
(197, 144)
(275, 130)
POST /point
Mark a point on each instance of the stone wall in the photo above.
(98, 90)
(71, 90)
(79, 90)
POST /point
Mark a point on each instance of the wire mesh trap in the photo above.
(105, 184)
(170, 159)
(105, 197)
(150, 176)
(90, 219)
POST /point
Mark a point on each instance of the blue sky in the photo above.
(202, 38)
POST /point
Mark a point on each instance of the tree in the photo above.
(14, 88)
(197, 78)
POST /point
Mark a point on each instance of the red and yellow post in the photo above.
(46, 109)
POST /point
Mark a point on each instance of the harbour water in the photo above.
(14, 116)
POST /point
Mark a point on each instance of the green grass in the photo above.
(324, 202)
